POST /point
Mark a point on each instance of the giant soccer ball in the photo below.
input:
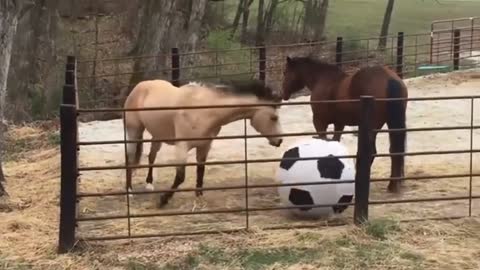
(327, 167)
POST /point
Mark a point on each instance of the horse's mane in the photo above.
(242, 87)
(313, 63)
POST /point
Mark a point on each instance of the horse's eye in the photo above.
(274, 118)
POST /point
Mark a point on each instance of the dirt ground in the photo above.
(29, 230)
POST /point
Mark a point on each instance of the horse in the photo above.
(329, 82)
(194, 123)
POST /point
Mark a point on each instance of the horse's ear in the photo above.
(289, 60)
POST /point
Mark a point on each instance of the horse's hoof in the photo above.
(163, 201)
(393, 188)
(199, 193)
(150, 187)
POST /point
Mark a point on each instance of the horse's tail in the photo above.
(396, 118)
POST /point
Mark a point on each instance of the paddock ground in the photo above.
(31, 228)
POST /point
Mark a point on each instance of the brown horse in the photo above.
(329, 82)
(194, 123)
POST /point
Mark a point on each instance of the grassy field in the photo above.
(364, 17)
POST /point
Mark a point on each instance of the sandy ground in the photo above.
(293, 119)
(30, 231)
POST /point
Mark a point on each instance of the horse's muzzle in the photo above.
(276, 143)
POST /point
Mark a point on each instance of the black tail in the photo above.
(396, 118)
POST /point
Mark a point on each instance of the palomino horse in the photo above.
(328, 82)
(194, 123)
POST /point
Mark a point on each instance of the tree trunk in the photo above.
(246, 14)
(32, 82)
(163, 25)
(314, 20)
(382, 42)
(322, 19)
(8, 27)
(269, 17)
(260, 35)
(236, 20)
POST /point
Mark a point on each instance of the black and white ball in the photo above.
(327, 167)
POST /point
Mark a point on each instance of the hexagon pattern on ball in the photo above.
(327, 167)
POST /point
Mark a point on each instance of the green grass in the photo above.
(381, 228)
(351, 19)
(375, 251)
(364, 17)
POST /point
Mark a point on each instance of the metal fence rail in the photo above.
(70, 113)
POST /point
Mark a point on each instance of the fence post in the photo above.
(399, 64)
(70, 70)
(69, 176)
(339, 52)
(262, 63)
(175, 67)
(364, 158)
(70, 95)
(456, 49)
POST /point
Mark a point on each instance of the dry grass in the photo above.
(29, 221)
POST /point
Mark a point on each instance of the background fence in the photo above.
(264, 63)
(105, 82)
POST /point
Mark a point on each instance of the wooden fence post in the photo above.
(456, 49)
(399, 64)
(262, 63)
(339, 52)
(364, 158)
(69, 176)
(175, 67)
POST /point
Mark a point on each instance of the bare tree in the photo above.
(32, 79)
(382, 42)
(315, 17)
(10, 12)
(243, 12)
(164, 24)
(265, 19)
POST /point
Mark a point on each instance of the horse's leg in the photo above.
(397, 163)
(202, 153)
(374, 147)
(320, 126)
(396, 119)
(338, 128)
(181, 152)
(134, 150)
(154, 148)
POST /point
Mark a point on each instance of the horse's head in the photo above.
(292, 79)
(266, 121)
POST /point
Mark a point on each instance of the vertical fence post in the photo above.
(339, 52)
(399, 64)
(364, 158)
(70, 70)
(456, 49)
(70, 95)
(175, 67)
(262, 63)
(69, 175)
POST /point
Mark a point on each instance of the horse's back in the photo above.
(374, 81)
(153, 93)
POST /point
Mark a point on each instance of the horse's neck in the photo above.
(326, 81)
(228, 115)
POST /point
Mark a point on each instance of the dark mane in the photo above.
(248, 87)
(316, 64)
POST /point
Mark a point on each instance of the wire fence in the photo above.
(105, 82)
(264, 63)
